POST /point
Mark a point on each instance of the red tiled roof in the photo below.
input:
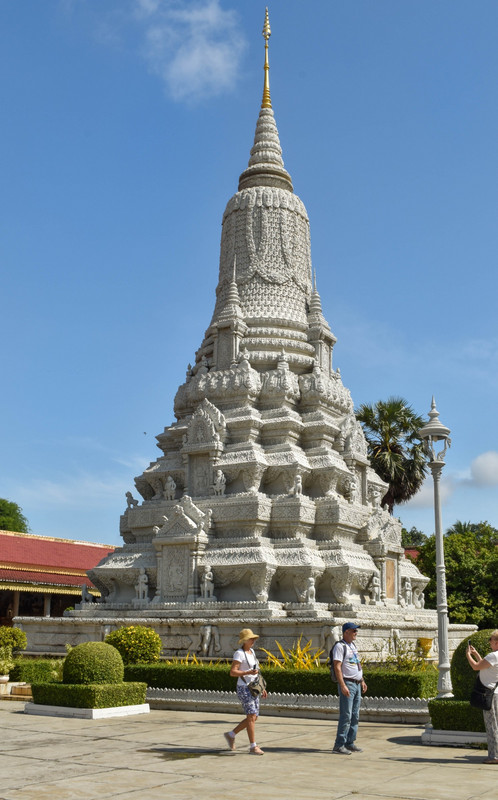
(52, 578)
(42, 560)
(44, 551)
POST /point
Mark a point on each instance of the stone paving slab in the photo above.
(182, 754)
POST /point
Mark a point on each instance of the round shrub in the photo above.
(462, 674)
(93, 662)
(14, 638)
(136, 643)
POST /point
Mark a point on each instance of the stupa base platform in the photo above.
(212, 631)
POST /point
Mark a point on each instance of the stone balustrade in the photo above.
(374, 709)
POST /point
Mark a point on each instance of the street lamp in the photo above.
(432, 433)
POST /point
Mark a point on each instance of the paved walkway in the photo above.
(170, 755)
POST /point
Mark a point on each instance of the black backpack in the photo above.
(331, 660)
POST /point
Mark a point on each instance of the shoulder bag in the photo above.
(258, 686)
(482, 696)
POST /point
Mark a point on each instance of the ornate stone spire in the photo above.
(319, 333)
(266, 166)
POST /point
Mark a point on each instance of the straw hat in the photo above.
(245, 634)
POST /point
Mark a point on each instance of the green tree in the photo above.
(12, 518)
(471, 560)
(413, 537)
(394, 449)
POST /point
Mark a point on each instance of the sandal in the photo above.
(230, 740)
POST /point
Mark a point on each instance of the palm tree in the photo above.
(394, 449)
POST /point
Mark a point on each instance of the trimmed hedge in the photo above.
(93, 662)
(102, 695)
(386, 683)
(31, 670)
(462, 675)
(216, 677)
(455, 715)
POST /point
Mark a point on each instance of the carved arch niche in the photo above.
(202, 447)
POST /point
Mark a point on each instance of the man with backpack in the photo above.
(346, 670)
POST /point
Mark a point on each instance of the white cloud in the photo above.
(484, 469)
(425, 496)
(78, 492)
(195, 47)
(482, 474)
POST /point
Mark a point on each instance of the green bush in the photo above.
(462, 675)
(6, 660)
(455, 715)
(36, 670)
(136, 644)
(93, 662)
(14, 638)
(381, 682)
(103, 695)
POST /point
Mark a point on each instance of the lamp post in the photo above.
(431, 433)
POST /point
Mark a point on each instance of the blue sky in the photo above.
(126, 124)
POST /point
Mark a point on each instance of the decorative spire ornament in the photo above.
(266, 90)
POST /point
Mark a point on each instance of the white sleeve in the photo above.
(338, 655)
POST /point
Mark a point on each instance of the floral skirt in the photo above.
(250, 704)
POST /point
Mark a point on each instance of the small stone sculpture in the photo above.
(243, 360)
(396, 639)
(207, 584)
(170, 489)
(418, 597)
(219, 484)
(374, 590)
(351, 489)
(86, 596)
(130, 500)
(310, 595)
(408, 595)
(204, 367)
(209, 639)
(329, 637)
(142, 585)
(298, 486)
(375, 497)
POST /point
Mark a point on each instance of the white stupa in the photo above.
(262, 508)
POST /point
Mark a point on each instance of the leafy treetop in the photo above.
(12, 518)
(471, 560)
(412, 538)
(395, 451)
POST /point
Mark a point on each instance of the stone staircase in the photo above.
(17, 692)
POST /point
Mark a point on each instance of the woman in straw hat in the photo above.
(245, 668)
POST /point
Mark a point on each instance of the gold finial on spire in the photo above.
(266, 90)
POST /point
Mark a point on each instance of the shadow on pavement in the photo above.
(177, 754)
